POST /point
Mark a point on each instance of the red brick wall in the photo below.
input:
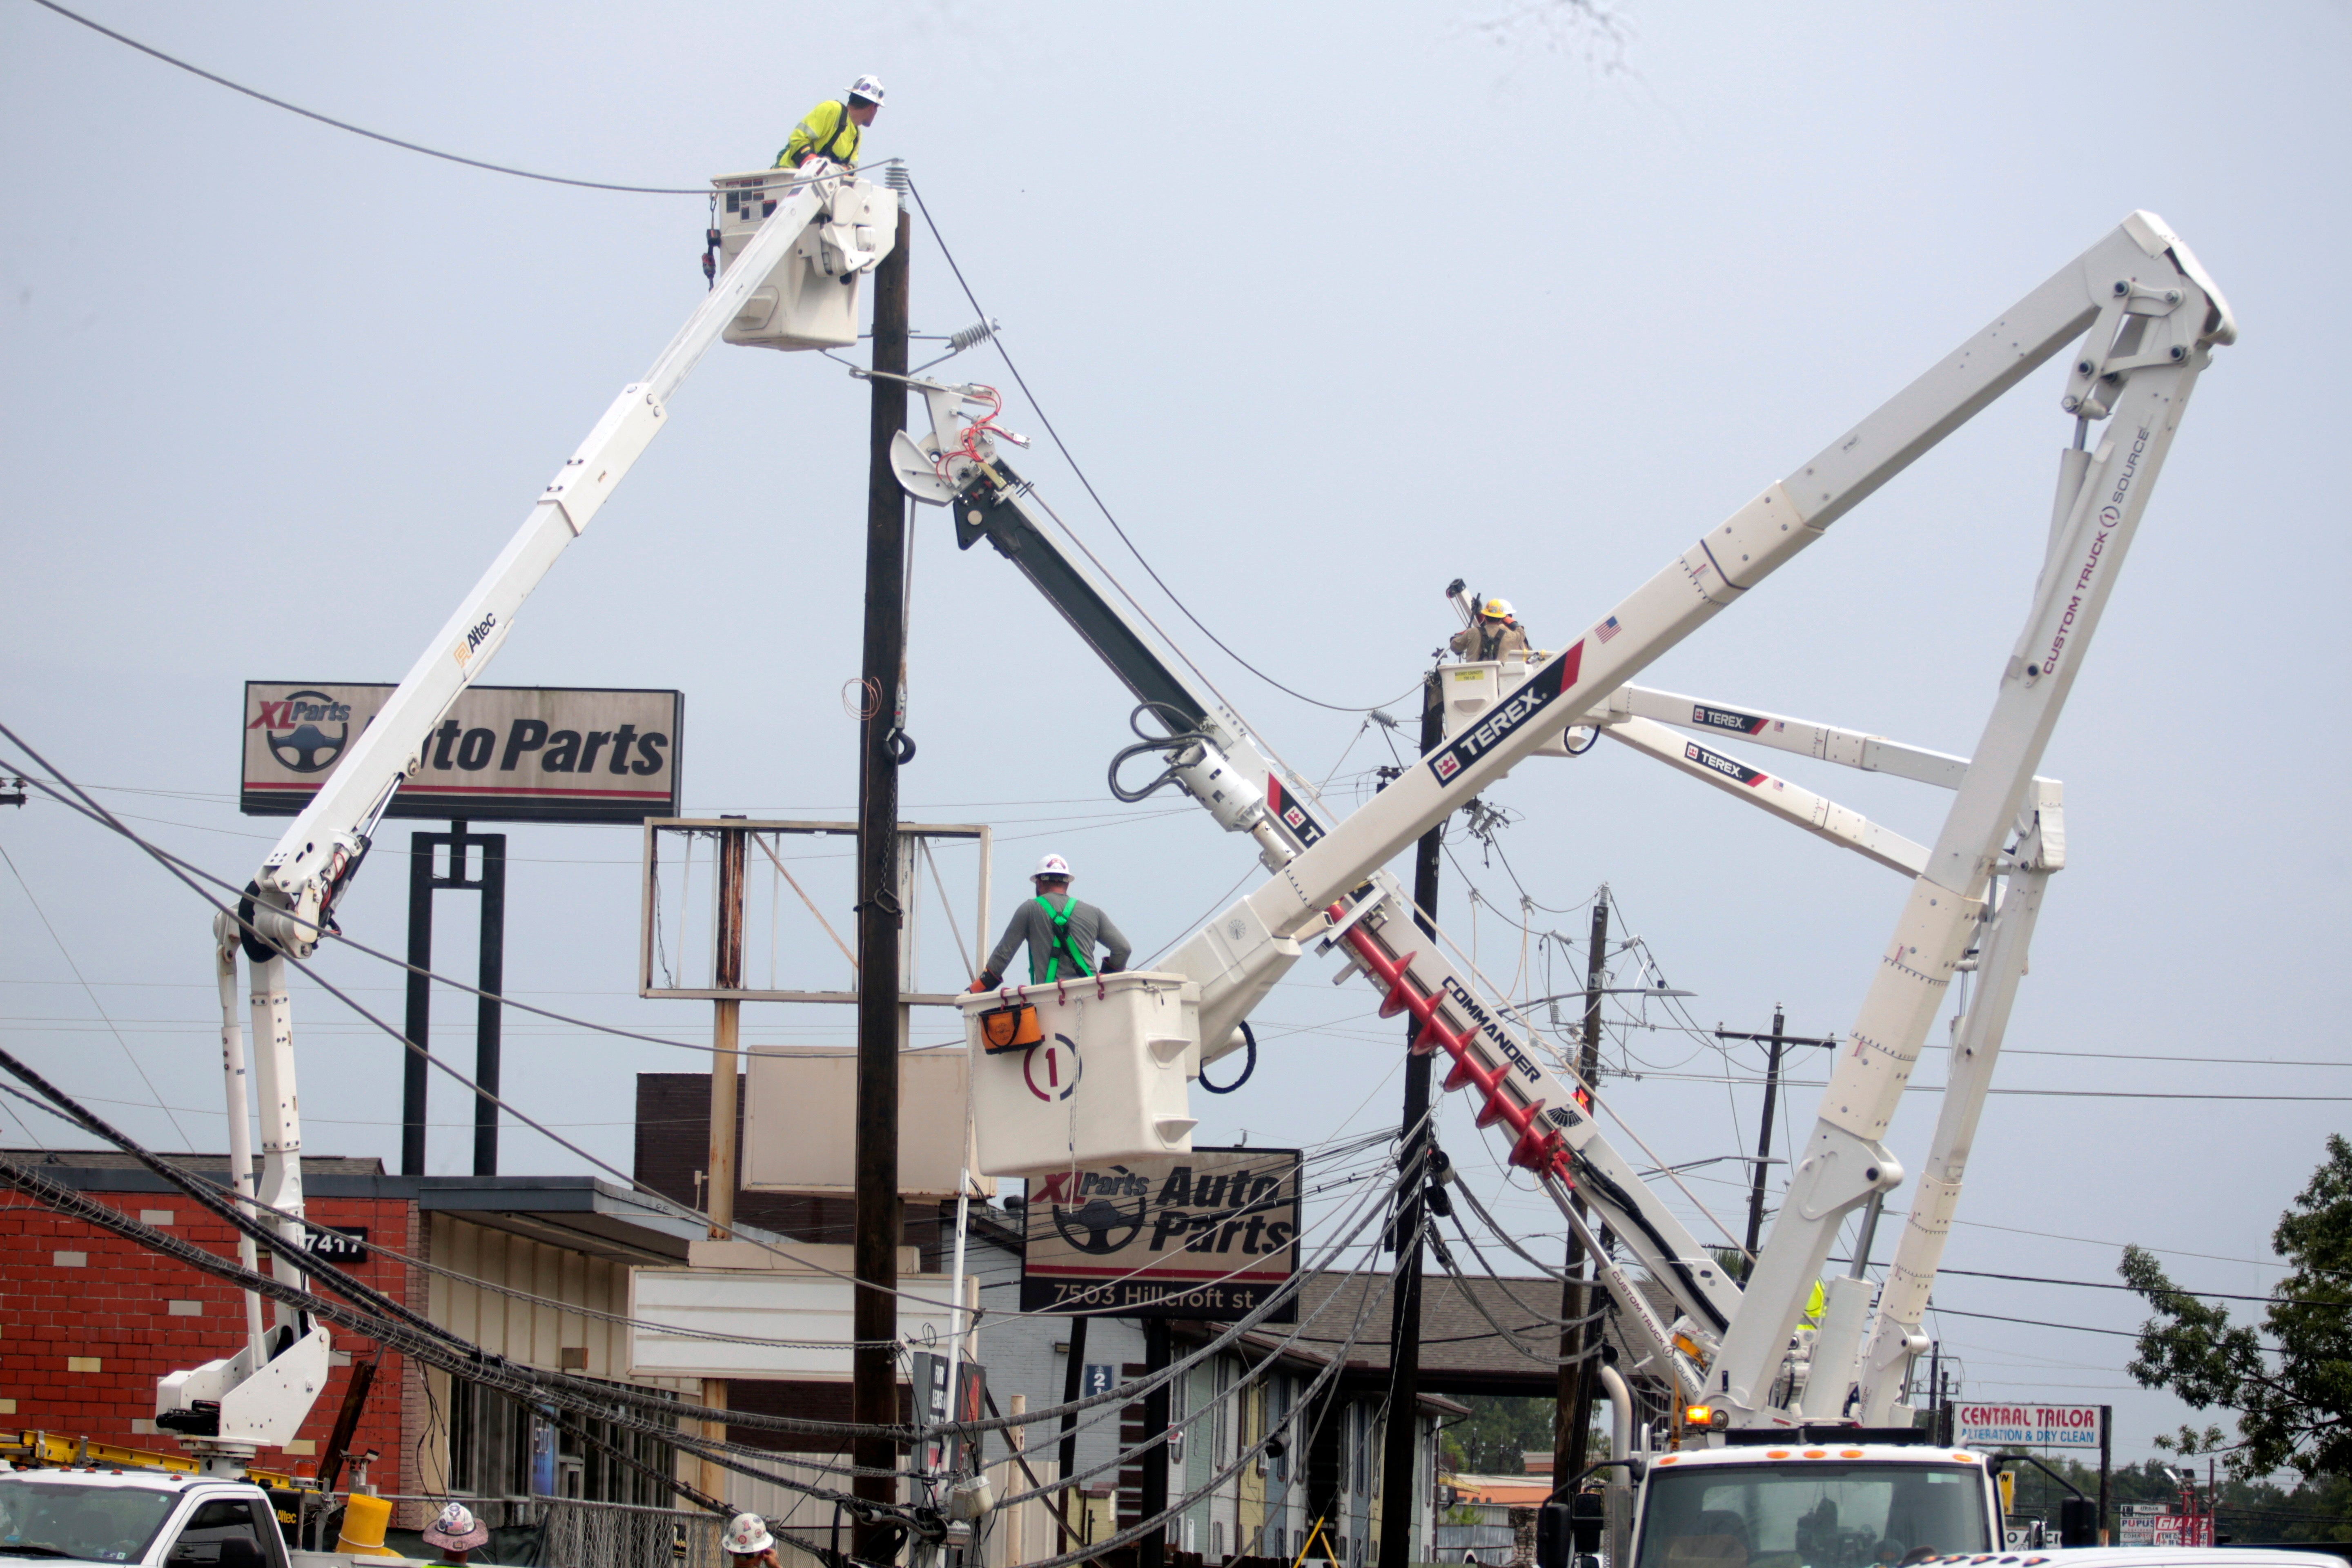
(117, 1308)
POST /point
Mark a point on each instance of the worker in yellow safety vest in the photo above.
(830, 131)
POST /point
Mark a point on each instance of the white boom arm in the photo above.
(1816, 814)
(299, 882)
(2155, 317)
(2145, 305)
(258, 1398)
(2151, 317)
(1884, 1375)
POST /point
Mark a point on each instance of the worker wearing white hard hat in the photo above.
(831, 129)
(456, 1532)
(748, 1543)
(1495, 634)
(1060, 931)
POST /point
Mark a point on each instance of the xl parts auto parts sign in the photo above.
(1210, 1234)
(502, 753)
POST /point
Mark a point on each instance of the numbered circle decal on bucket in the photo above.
(1052, 1069)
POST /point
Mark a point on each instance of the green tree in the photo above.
(1500, 1431)
(2292, 1392)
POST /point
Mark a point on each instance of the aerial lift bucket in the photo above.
(810, 301)
(1097, 1077)
(1474, 689)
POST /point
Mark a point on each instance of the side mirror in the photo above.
(2078, 1521)
(1588, 1514)
(1553, 1542)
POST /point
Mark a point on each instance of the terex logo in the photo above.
(1726, 719)
(474, 637)
(1716, 762)
(1508, 717)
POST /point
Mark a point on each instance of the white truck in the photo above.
(150, 1519)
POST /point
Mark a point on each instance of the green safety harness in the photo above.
(1062, 947)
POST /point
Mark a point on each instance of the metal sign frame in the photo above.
(908, 870)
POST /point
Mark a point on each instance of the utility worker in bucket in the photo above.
(1061, 934)
(830, 131)
(1494, 635)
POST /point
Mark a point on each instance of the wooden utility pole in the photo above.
(874, 1376)
(1764, 1136)
(1573, 1390)
(726, 974)
(1151, 1552)
(1397, 1467)
(725, 1166)
(1779, 1039)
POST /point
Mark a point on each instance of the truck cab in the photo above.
(1814, 1505)
(149, 1517)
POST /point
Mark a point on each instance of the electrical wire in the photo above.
(1102, 506)
(660, 1199)
(217, 81)
(136, 1065)
(492, 1285)
(2341, 1305)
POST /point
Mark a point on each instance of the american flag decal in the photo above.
(1607, 629)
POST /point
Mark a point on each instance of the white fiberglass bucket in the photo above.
(1107, 1081)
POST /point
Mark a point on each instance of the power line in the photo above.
(137, 1065)
(2039, 1323)
(2095, 1241)
(2109, 1285)
(1102, 506)
(150, 50)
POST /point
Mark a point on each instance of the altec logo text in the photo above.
(475, 636)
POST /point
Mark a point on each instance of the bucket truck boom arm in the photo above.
(258, 1398)
(295, 891)
(2147, 316)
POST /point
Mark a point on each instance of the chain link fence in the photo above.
(567, 1533)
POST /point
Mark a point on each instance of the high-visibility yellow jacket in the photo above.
(826, 131)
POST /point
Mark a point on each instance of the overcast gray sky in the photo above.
(1332, 306)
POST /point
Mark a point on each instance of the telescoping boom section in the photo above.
(2145, 317)
(796, 246)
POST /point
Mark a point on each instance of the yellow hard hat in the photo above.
(1495, 609)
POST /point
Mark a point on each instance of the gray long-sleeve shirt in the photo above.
(1089, 926)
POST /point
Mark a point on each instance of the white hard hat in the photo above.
(747, 1536)
(1052, 866)
(1496, 609)
(456, 1530)
(869, 87)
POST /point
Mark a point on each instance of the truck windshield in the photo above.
(1815, 1515)
(94, 1524)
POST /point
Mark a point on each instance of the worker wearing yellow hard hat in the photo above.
(1495, 634)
